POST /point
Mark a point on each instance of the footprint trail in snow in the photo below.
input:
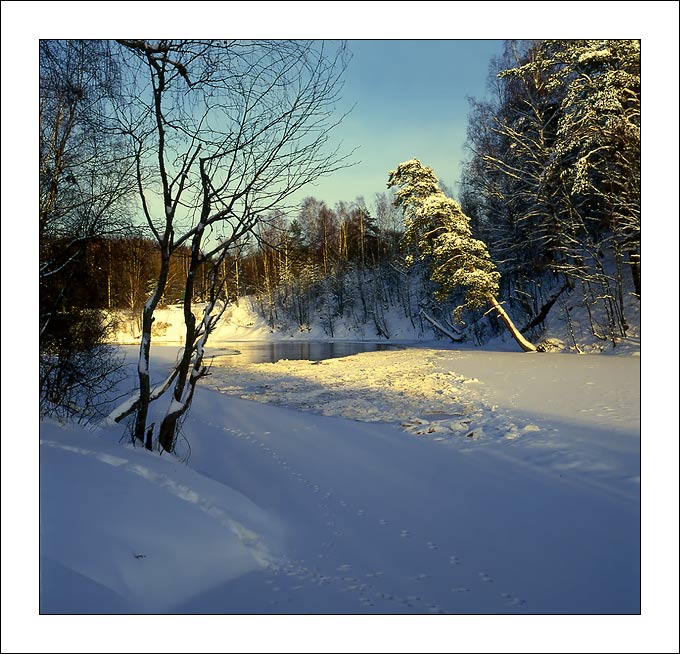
(375, 590)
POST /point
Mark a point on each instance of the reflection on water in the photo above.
(271, 352)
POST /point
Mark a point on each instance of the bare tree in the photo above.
(84, 188)
(223, 132)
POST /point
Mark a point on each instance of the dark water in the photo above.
(266, 352)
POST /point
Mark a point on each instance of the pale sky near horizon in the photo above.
(409, 100)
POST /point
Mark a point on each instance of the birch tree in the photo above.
(223, 132)
(84, 187)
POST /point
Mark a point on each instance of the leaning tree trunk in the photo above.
(521, 341)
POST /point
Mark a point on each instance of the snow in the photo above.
(175, 406)
(243, 322)
(143, 363)
(552, 411)
(109, 537)
(422, 480)
(239, 322)
(400, 484)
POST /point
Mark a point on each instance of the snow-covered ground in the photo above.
(243, 321)
(421, 481)
(401, 484)
(457, 496)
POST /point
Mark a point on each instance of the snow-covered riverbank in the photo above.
(577, 416)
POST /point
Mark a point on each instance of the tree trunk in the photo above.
(440, 327)
(634, 261)
(543, 313)
(521, 341)
(144, 350)
(149, 438)
(144, 377)
(166, 434)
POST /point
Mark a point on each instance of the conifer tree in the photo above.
(440, 233)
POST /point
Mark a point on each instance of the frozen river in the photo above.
(272, 351)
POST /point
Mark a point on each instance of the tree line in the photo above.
(553, 181)
(322, 262)
(116, 273)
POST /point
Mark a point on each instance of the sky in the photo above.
(408, 98)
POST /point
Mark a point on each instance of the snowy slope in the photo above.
(240, 322)
(243, 322)
(533, 508)
(121, 528)
(567, 327)
(388, 523)
(536, 483)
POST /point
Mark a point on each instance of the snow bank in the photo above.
(567, 328)
(240, 322)
(110, 541)
(243, 322)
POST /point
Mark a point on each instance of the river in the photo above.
(238, 353)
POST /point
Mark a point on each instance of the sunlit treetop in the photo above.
(436, 229)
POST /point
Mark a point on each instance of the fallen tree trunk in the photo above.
(437, 325)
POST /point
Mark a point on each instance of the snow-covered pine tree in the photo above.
(598, 144)
(439, 232)
(590, 169)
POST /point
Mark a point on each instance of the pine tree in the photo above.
(440, 234)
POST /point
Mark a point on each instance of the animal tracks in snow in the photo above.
(374, 589)
(511, 600)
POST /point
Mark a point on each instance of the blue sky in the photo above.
(410, 101)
